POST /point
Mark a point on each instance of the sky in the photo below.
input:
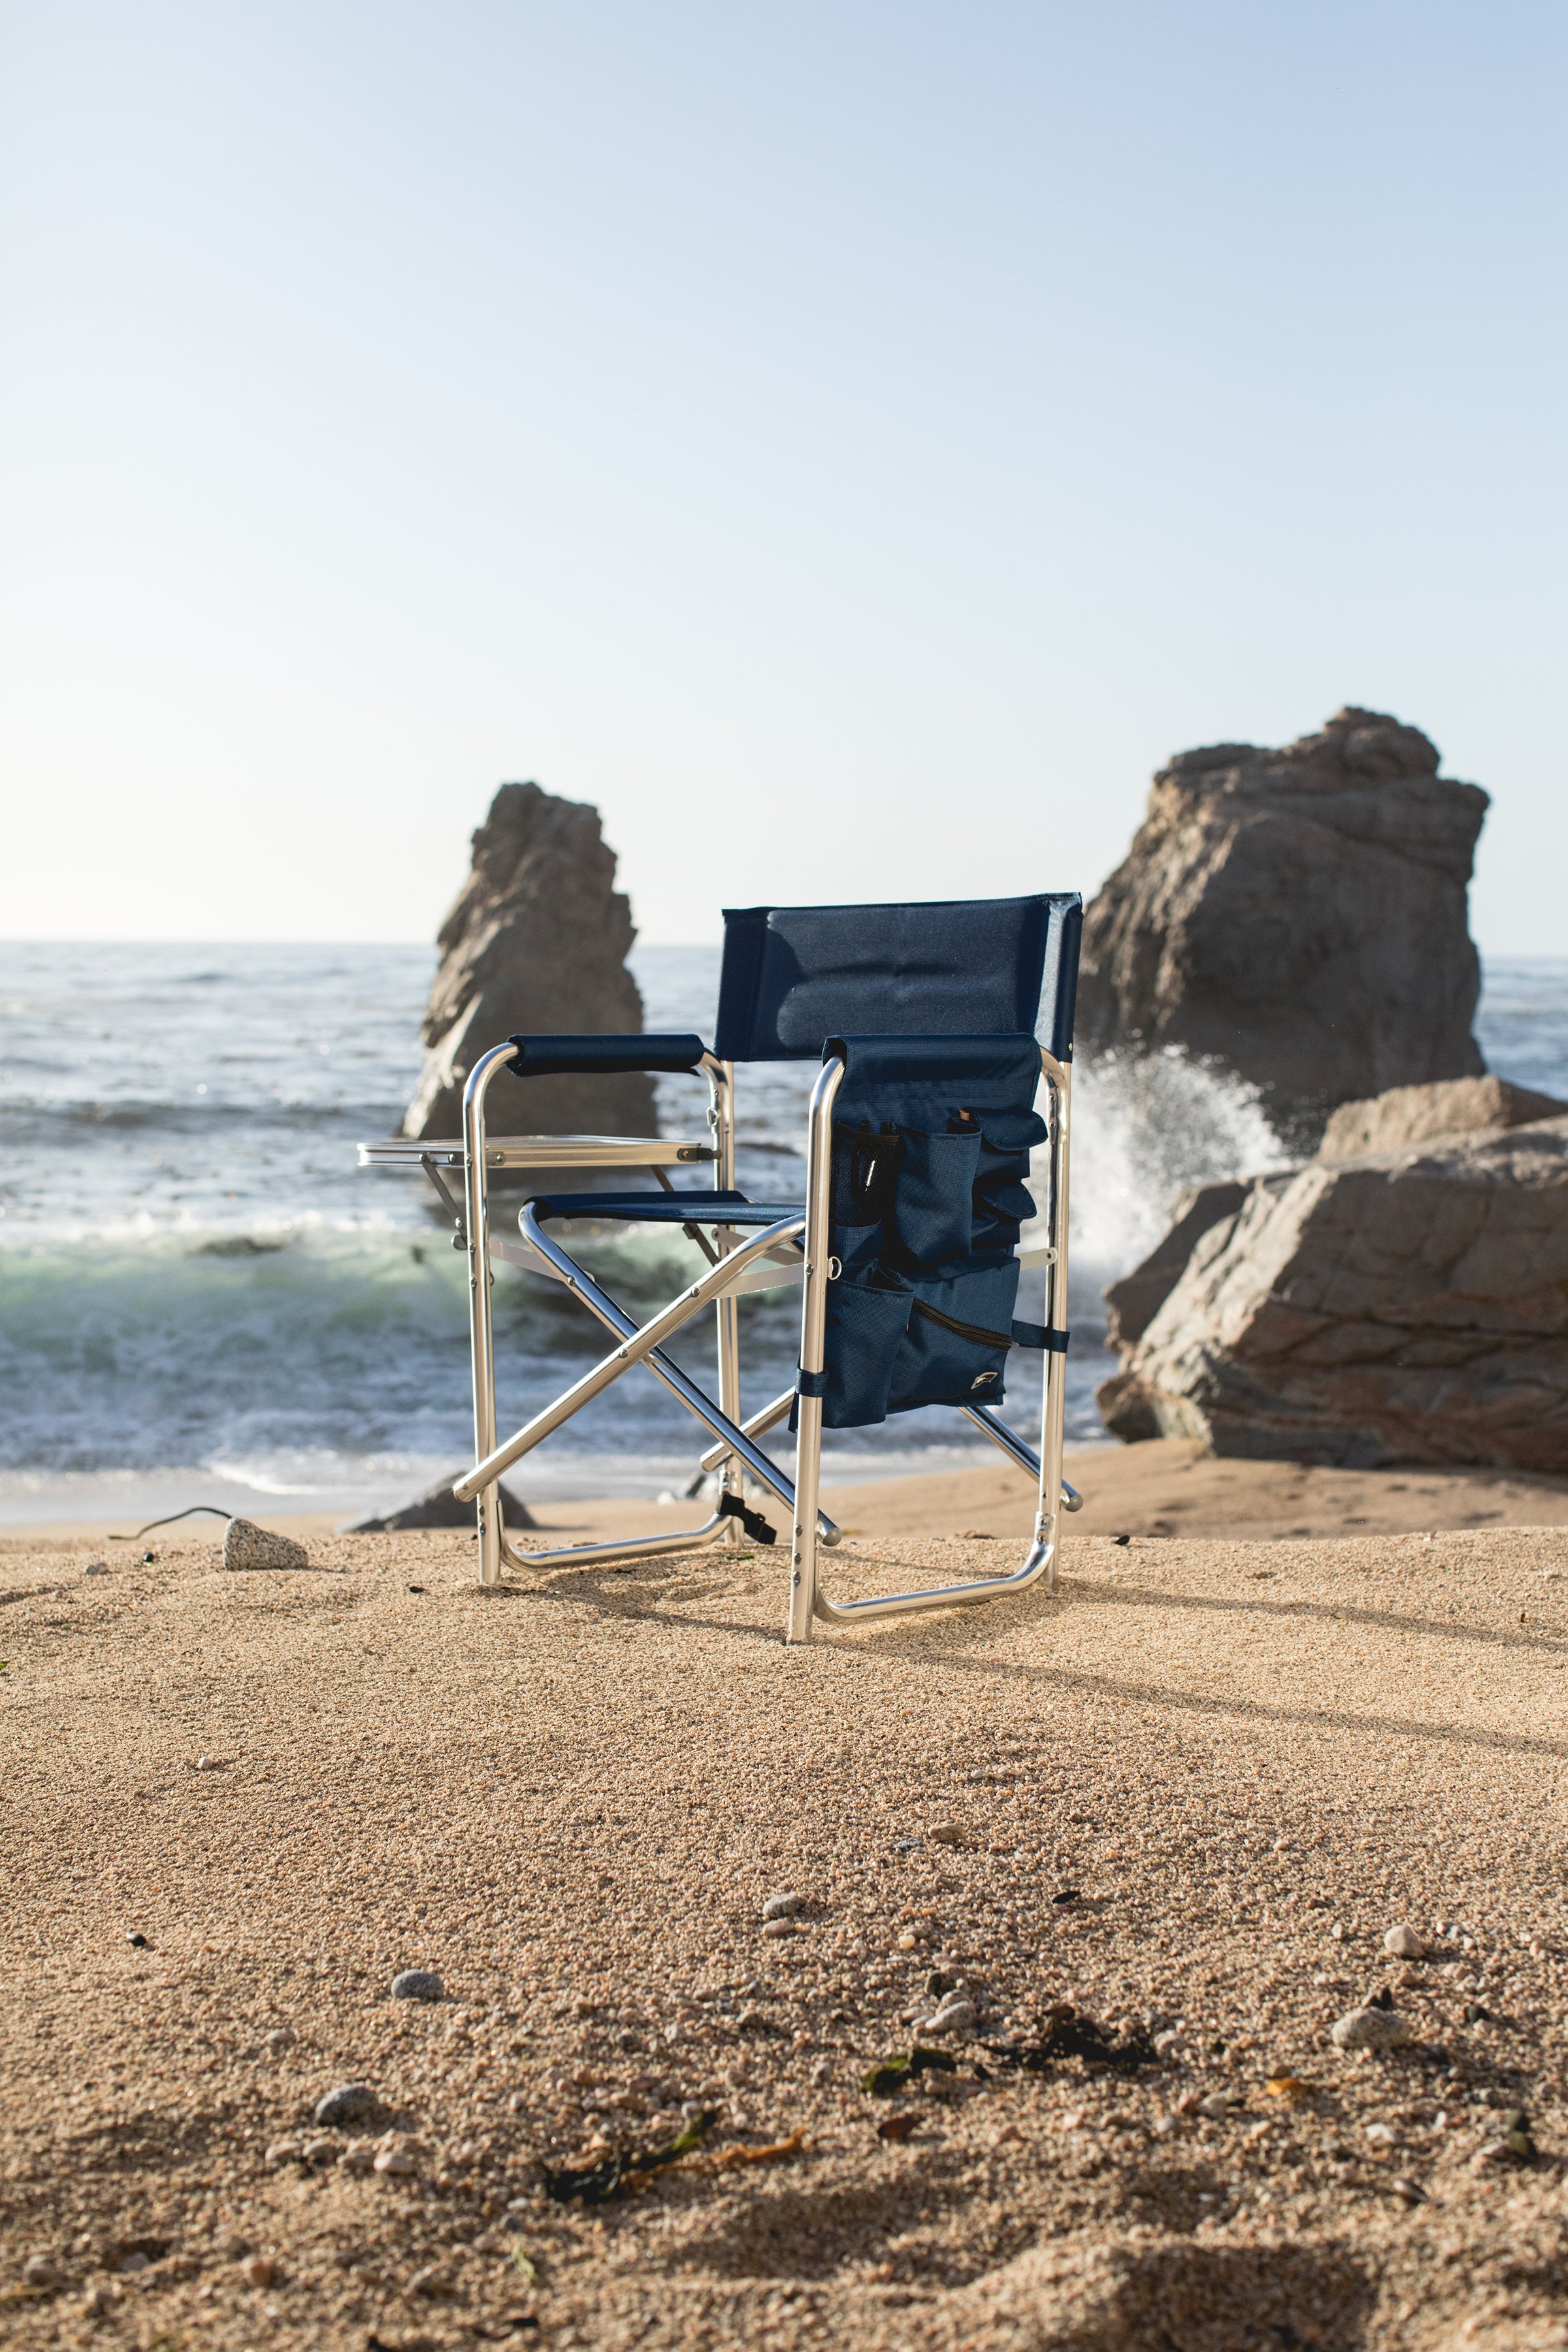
(851, 445)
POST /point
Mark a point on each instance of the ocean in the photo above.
(203, 1299)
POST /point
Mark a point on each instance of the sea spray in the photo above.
(1145, 1127)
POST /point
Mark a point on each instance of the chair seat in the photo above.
(669, 1208)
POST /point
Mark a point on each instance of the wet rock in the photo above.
(1403, 1944)
(247, 1545)
(417, 1984)
(350, 2103)
(1369, 2028)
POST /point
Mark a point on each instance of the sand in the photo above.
(1168, 1486)
(1245, 1759)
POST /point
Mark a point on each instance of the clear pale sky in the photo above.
(852, 444)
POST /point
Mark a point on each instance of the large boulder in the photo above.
(536, 940)
(1408, 1305)
(1298, 915)
(1136, 1299)
(1415, 1114)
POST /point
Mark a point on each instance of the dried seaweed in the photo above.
(897, 2073)
(596, 2184)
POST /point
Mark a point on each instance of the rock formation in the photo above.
(1137, 1299)
(437, 1506)
(1408, 1305)
(1415, 1114)
(1298, 915)
(537, 939)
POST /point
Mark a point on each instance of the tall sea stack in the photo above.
(537, 941)
(1297, 914)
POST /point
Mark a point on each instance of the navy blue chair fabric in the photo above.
(651, 1049)
(931, 1138)
(960, 967)
(669, 1208)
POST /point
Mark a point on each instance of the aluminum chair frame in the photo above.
(790, 1249)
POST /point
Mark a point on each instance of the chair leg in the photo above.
(803, 1599)
(481, 1328)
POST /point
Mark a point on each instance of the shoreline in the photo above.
(1168, 1486)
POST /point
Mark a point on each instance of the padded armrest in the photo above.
(654, 1049)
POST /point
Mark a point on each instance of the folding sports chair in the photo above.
(934, 1024)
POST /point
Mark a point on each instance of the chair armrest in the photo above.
(545, 1057)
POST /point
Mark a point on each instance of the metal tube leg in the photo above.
(481, 1329)
(1053, 1398)
(803, 1553)
(803, 1596)
(721, 1124)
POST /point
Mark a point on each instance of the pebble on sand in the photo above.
(779, 1927)
(417, 1984)
(782, 1906)
(245, 1545)
(948, 1833)
(1402, 1943)
(96, 1567)
(1369, 2028)
(350, 2103)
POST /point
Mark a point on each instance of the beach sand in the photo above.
(1168, 1486)
(1244, 1759)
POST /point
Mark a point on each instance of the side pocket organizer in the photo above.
(1003, 1201)
(931, 1210)
(954, 1350)
(865, 1170)
(866, 1326)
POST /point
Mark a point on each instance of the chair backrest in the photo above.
(792, 976)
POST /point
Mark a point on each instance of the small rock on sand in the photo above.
(96, 1567)
(417, 1984)
(779, 1927)
(1402, 1943)
(782, 1906)
(948, 1833)
(245, 1545)
(1369, 2028)
(350, 2103)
